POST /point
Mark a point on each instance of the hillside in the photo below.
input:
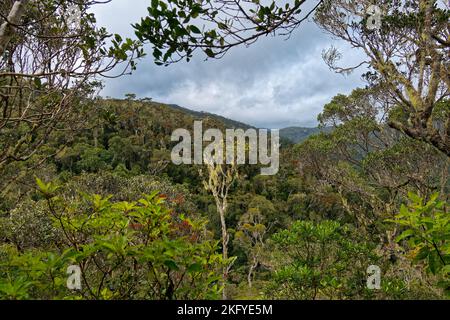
(288, 135)
(121, 161)
(300, 134)
(229, 123)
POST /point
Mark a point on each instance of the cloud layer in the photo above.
(275, 83)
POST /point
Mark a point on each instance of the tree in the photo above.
(130, 97)
(369, 166)
(407, 56)
(13, 19)
(319, 261)
(251, 236)
(51, 57)
(218, 181)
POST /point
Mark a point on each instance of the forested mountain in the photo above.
(231, 124)
(125, 152)
(290, 135)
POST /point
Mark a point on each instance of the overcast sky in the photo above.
(272, 84)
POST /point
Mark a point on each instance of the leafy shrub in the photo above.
(125, 250)
(29, 226)
(319, 261)
(427, 233)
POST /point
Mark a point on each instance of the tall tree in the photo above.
(407, 54)
(218, 181)
(51, 57)
(251, 236)
(12, 20)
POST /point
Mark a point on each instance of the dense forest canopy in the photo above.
(88, 181)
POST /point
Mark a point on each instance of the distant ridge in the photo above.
(289, 135)
(232, 124)
(300, 134)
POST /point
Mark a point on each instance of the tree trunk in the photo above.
(221, 210)
(7, 28)
(427, 134)
(250, 272)
(95, 134)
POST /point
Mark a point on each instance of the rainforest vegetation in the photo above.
(88, 181)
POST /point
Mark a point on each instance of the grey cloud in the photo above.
(273, 83)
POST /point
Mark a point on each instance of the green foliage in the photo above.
(29, 226)
(357, 174)
(129, 218)
(427, 232)
(319, 261)
(251, 237)
(126, 250)
(59, 105)
(33, 274)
